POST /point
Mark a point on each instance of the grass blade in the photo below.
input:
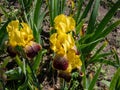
(39, 25)
(37, 11)
(79, 2)
(100, 56)
(94, 79)
(114, 80)
(62, 6)
(52, 10)
(3, 33)
(116, 56)
(97, 52)
(37, 61)
(84, 47)
(85, 13)
(106, 19)
(106, 31)
(83, 69)
(100, 49)
(93, 16)
(56, 2)
(107, 62)
(79, 27)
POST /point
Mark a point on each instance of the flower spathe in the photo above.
(19, 34)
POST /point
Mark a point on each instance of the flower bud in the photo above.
(29, 51)
(36, 47)
(32, 49)
(60, 62)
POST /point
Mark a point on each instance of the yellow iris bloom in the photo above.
(60, 43)
(64, 23)
(19, 33)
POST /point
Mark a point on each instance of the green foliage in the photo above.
(98, 31)
(56, 7)
(93, 82)
(3, 33)
(115, 83)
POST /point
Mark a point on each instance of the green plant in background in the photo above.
(73, 38)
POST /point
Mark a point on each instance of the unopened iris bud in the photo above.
(66, 76)
(32, 49)
(12, 52)
(29, 51)
(60, 62)
(36, 47)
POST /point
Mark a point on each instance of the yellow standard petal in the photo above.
(64, 23)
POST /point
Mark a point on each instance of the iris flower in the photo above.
(19, 34)
(63, 44)
(64, 23)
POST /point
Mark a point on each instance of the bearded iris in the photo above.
(20, 34)
(63, 44)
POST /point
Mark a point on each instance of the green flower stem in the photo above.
(32, 75)
(19, 62)
(38, 59)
